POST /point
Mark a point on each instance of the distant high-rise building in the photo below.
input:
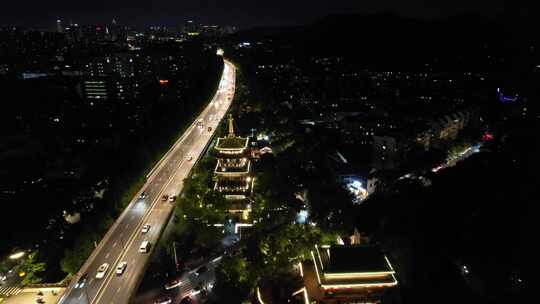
(112, 30)
(59, 27)
(190, 26)
(93, 33)
(73, 32)
(115, 65)
(96, 89)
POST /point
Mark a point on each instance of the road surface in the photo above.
(188, 282)
(122, 241)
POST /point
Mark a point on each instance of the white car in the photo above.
(165, 300)
(121, 268)
(189, 158)
(173, 284)
(195, 291)
(145, 228)
(145, 247)
(102, 270)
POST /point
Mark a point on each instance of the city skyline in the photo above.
(342, 152)
(238, 12)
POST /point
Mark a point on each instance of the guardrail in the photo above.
(63, 283)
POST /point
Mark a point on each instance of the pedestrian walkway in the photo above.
(31, 295)
(10, 291)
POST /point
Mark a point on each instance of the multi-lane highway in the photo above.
(122, 241)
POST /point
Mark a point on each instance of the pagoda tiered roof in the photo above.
(234, 167)
(232, 143)
(341, 266)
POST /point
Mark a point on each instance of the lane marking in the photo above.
(100, 291)
(229, 72)
(108, 278)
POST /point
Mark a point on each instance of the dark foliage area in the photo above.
(59, 151)
(478, 214)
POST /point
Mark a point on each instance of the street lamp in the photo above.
(17, 255)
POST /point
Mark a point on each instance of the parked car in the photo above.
(82, 281)
(172, 198)
(164, 198)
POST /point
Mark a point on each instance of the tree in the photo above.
(31, 269)
(74, 258)
(331, 204)
(273, 254)
(233, 280)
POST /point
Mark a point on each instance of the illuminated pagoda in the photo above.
(346, 274)
(233, 169)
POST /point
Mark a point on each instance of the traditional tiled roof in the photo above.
(232, 143)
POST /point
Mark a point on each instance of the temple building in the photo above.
(232, 172)
(346, 274)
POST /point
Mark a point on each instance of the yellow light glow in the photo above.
(297, 292)
(259, 297)
(319, 256)
(352, 275)
(306, 296)
(303, 290)
(366, 285)
(17, 255)
(316, 268)
(389, 265)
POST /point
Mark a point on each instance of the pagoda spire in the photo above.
(231, 126)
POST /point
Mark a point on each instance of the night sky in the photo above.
(244, 13)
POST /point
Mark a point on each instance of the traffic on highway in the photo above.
(113, 271)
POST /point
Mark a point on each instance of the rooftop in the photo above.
(352, 266)
(232, 166)
(341, 259)
(232, 143)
